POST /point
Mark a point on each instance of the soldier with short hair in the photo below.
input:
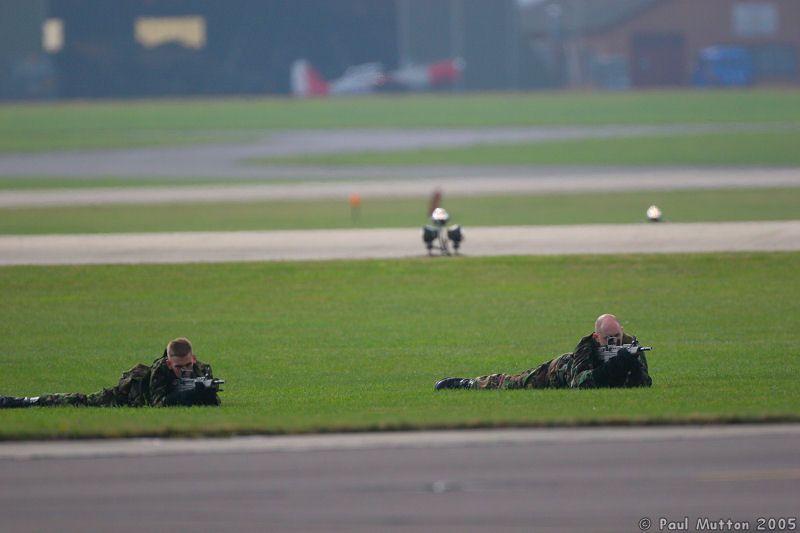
(156, 385)
(585, 368)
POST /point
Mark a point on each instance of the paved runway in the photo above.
(494, 181)
(600, 479)
(229, 160)
(214, 247)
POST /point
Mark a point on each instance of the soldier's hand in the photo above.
(635, 350)
(622, 363)
(627, 352)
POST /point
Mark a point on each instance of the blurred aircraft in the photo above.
(367, 78)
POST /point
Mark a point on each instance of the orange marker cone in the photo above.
(355, 206)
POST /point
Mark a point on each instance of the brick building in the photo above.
(651, 43)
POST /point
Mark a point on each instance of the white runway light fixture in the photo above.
(440, 216)
(654, 213)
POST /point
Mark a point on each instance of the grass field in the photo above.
(358, 345)
(64, 126)
(595, 208)
(778, 148)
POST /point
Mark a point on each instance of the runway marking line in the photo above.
(377, 440)
(783, 474)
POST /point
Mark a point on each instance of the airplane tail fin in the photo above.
(422, 77)
(447, 71)
(306, 81)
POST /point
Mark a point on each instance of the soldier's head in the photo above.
(180, 357)
(607, 327)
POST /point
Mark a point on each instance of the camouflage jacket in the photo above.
(153, 385)
(163, 382)
(578, 369)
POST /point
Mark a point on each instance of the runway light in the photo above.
(654, 213)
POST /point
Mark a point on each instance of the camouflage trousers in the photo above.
(533, 378)
(131, 391)
(103, 398)
(548, 375)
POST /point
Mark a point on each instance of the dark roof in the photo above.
(581, 16)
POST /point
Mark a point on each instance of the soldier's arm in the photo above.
(186, 398)
(590, 372)
(160, 384)
(584, 362)
(164, 393)
(173, 396)
(208, 396)
(640, 377)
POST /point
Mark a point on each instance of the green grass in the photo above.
(586, 208)
(732, 149)
(113, 124)
(358, 345)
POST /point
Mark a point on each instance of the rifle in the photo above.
(612, 350)
(201, 383)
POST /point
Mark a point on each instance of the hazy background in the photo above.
(133, 48)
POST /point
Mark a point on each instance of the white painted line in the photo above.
(383, 440)
(213, 247)
(225, 160)
(562, 181)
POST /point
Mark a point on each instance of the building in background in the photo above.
(657, 43)
(136, 48)
(26, 69)
(122, 48)
(485, 34)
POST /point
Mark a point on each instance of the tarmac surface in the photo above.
(214, 247)
(581, 479)
(453, 181)
(230, 160)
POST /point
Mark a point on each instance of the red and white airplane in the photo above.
(367, 78)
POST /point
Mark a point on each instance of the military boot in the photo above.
(454, 383)
(10, 402)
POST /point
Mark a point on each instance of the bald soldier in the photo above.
(157, 385)
(582, 369)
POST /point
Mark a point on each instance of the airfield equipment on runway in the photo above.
(654, 213)
(437, 235)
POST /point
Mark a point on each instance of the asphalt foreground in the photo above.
(579, 479)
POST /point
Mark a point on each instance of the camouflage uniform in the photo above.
(575, 370)
(140, 386)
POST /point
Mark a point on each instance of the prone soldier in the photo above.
(606, 358)
(175, 378)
